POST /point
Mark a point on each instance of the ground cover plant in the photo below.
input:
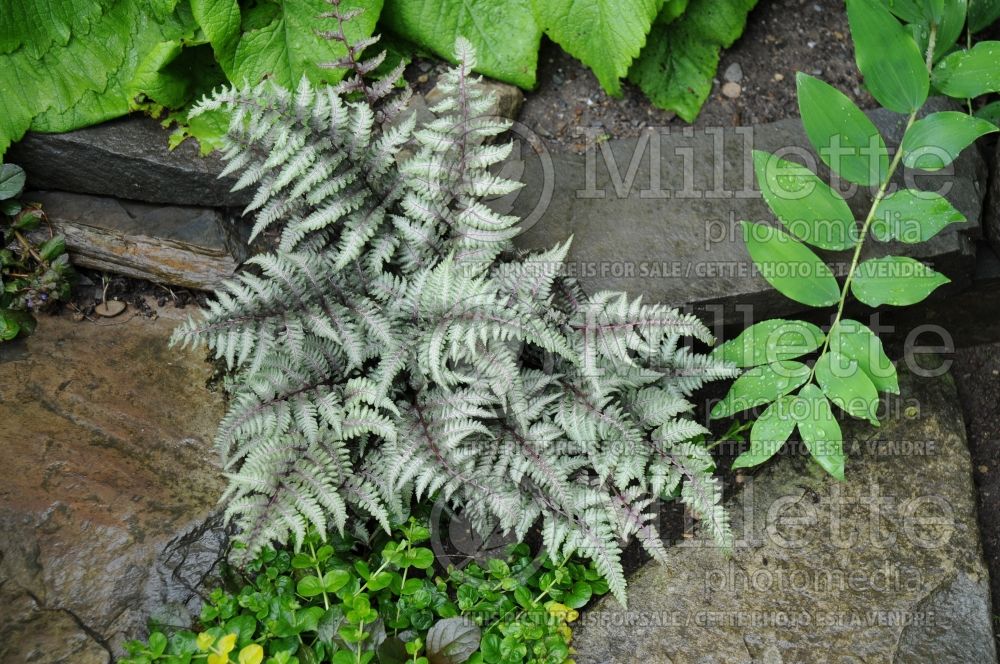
(395, 347)
(348, 602)
(73, 63)
(901, 64)
(35, 272)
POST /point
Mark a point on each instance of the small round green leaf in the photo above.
(309, 586)
(807, 206)
(768, 433)
(819, 430)
(790, 266)
(913, 216)
(846, 384)
(770, 341)
(578, 595)
(157, 643)
(761, 385)
(935, 141)
(336, 579)
(967, 74)
(12, 180)
(420, 557)
(895, 280)
(888, 57)
(452, 640)
(855, 341)
(843, 136)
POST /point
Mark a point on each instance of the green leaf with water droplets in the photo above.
(790, 266)
(895, 280)
(819, 430)
(843, 137)
(888, 57)
(770, 341)
(966, 74)
(857, 342)
(805, 205)
(768, 433)
(761, 385)
(935, 141)
(913, 216)
(847, 385)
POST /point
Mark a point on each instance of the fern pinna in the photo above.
(394, 346)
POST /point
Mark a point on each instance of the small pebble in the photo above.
(984, 469)
(423, 78)
(811, 44)
(732, 90)
(779, 77)
(733, 73)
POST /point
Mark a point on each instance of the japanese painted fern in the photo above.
(394, 346)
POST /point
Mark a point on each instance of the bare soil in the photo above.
(782, 38)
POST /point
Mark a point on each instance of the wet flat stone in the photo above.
(659, 215)
(883, 568)
(108, 507)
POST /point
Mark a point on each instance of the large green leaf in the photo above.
(677, 67)
(950, 27)
(896, 280)
(770, 341)
(90, 78)
(847, 385)
(967, 74)
(935, 141)
(887, 56)
(220, 20)
(855, 341)
(982, 13)
(845, 139)
(913, 216)
(761, 385)
(288, 46)
(606, 35)
(506, 34)
(790, 266)
(39, 25)
(768, 433)
(805, 205)
(819, 430)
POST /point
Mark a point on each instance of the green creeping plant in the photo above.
(33, 276)
(340, 602)
(901, 65)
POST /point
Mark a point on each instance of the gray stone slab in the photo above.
(883, 568)
(186, 246)
(668, 228)
(126, 158)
